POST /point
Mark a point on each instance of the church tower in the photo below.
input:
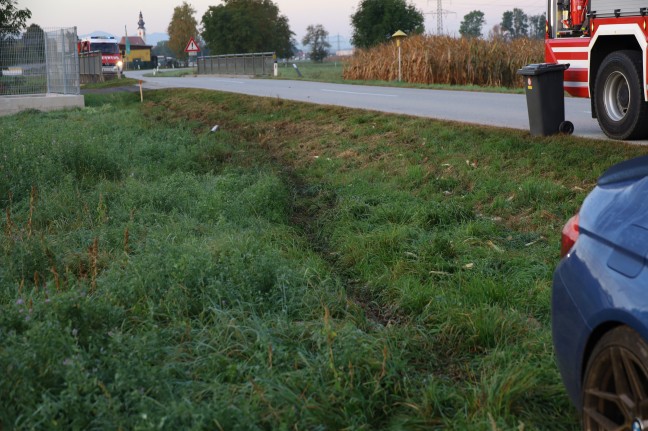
(141, 31)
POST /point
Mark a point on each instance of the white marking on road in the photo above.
(359, 94)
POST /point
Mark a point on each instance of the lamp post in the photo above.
(398, 36)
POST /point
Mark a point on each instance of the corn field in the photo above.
(447, 60)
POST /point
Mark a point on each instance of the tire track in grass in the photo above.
(310, 202)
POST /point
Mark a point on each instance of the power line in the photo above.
(440, 13)
(339, 41)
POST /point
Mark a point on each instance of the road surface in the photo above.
(491, 109)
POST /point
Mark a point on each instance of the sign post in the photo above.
(398, 36)
(192, 48)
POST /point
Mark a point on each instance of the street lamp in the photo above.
(398, 36)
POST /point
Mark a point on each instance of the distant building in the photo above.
(344, 52)
(141, 31)
(140, 52)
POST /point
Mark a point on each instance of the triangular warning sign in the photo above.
(192, 46)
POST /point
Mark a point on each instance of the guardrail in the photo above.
(260, 63)
(90, 67)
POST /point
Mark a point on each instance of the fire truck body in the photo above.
(111, 61)
(605, 43)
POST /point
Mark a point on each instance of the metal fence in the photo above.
(90, 67)
(261, 63)
(39, 61)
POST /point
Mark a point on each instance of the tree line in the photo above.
(515, 24)
(244, 26)
(239, 26)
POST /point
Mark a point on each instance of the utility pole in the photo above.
(338, 38)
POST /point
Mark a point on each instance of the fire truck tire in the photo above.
(621, 110)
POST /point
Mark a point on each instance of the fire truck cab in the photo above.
(111, 61)
(605, 43)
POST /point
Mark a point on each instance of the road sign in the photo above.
(192, 46)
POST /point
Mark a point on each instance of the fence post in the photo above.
(47, 60)
(63, 61)
(78, 64)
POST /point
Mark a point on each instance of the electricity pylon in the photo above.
(440, 13)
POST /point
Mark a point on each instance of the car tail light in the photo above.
(569, 235)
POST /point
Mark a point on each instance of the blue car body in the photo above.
(602, 282)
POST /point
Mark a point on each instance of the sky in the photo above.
(118, 16)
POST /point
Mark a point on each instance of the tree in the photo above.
(34, 44)
(520, 23)
(162, 48)
(506, 26)
(376, 20)
(537, 26)
(245, 26)
(316, 38)
(183, 26)
(12, 19)
(496, 33)
(516, 23)
(471, 26)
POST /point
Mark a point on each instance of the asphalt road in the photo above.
(490, 109)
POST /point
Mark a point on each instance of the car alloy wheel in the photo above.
(615, 387)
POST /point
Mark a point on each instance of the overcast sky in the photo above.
(112, 16)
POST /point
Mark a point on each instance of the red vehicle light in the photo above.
(569, 235)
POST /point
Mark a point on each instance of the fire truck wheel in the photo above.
(621, 110)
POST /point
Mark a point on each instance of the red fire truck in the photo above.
(111, 61)
(605, 43)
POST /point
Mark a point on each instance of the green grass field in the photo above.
(305, 267)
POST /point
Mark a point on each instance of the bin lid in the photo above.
(540, 68)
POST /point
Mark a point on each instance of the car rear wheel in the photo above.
(615, 387)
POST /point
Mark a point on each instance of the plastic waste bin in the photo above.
(546, 98)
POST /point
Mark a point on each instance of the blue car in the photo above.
(600, 302)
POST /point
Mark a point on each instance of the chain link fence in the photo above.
(39, 61)
(261, 63)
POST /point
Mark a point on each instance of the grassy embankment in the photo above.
(303, 268)
(111, 83)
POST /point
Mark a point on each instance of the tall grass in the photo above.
(302, 268)
(447, 60)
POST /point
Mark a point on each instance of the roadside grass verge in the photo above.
(331, 71)
(171, 73)
(303, 267)
(326, 71)
(111, 83)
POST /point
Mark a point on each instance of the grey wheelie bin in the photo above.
(546, 98)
